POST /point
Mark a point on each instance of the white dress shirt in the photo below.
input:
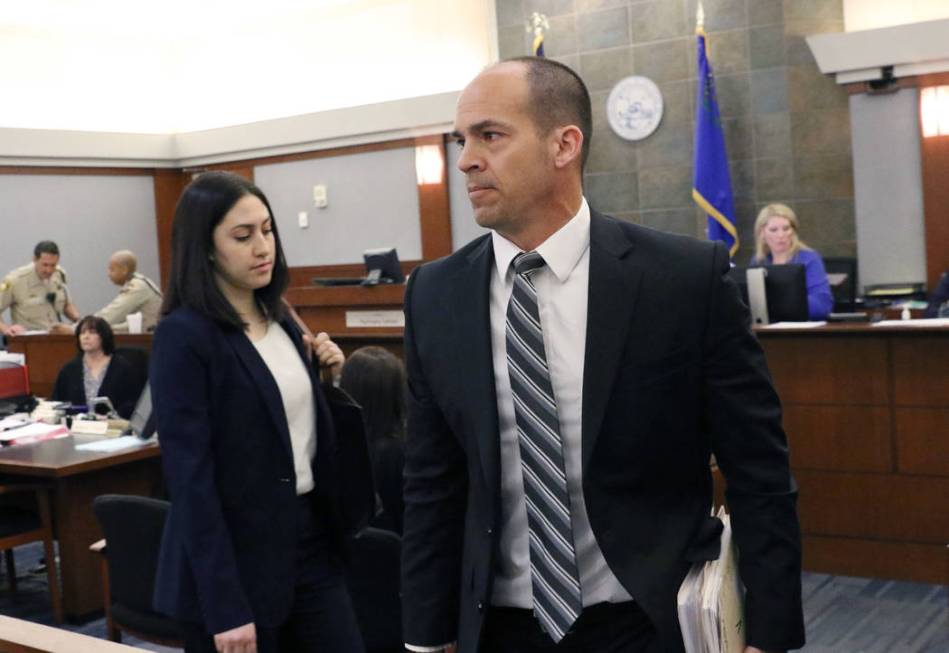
(562, 290)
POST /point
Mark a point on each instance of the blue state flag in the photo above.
(711, 183)
(537, 46)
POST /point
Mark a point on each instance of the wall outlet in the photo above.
(303, 220)
(319, 196)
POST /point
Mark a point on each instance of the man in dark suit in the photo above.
(569, 376)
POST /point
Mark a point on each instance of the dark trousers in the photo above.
(601, 628)
(321, 619)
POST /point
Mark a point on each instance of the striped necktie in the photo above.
(554, 577)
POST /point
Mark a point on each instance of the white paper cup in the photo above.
(135, 322)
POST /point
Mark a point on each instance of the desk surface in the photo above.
(59, 457)
(854, 328)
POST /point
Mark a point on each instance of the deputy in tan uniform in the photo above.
(36, 293)
(138, 294)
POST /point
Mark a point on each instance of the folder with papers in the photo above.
(711, 601)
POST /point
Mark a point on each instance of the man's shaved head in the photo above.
(126, 258)
(557, 97)
(122, 266)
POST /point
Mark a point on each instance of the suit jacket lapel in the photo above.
(264, 381)
(473, 320)
(614, 288)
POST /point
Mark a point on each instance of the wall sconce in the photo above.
(934, 111)
(429, 164)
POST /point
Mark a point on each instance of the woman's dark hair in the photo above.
(100, 326)
(376, 380)
(191, 281)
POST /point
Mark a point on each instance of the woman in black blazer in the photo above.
(97, 371)
(249, 557)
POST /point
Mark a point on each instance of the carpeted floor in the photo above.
(843, 614)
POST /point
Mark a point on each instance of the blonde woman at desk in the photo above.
(777, 243)
(249, 558)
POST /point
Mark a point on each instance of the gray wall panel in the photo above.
(891, 240)
(373, 202)
(89, 217)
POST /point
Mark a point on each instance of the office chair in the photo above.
(138, 359)
(373, 579)
(845, 292)
(20, 525)
(133, 528)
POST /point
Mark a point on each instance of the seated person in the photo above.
(375, 378)
(138, 294)
(777, 243)
(96, 371)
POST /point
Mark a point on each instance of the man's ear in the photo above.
(567, 145)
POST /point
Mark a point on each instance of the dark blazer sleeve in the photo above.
(180, 378)
(744, 420)
(435, 492)
(69, 383)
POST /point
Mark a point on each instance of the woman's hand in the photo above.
(242, 639)
(327, 352)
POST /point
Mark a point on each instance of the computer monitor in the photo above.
(142, 421)
(842, 276)
(785, 289)
(382, 266)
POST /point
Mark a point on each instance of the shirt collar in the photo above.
(561, 251)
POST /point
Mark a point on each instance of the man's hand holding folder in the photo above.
(711, 602)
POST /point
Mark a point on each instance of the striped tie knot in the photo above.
(526, 262)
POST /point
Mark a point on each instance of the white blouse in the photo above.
(296, 391)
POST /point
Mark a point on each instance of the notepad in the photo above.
(796, 325)
(111, 444)
(927, 322)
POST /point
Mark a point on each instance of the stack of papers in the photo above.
(13, 422)
(795, 325)
(33, 432)
(923, 322)
(711, 602)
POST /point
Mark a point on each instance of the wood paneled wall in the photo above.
(866, 412)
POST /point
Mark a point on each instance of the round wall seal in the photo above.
(634, 107)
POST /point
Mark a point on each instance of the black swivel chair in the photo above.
(373, 579)
(133, 528)
(138, 359)
(845, 292)
(21, 525)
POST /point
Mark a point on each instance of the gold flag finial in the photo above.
(538, 26)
